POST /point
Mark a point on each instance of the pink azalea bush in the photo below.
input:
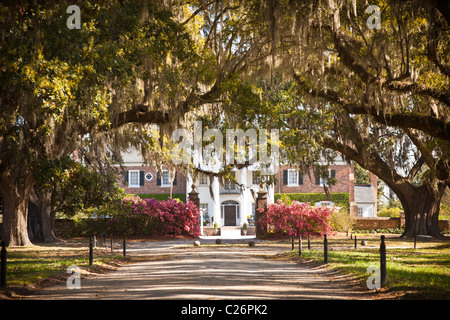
(156, 218)
(298, 219)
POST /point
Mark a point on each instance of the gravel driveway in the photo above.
(216, 272)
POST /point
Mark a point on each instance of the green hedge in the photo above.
(340, 199)
(161, 196)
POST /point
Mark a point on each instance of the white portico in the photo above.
(230, 204)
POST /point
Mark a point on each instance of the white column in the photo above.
(201, 222)
(189, 182)
(216, 200)
(270, 194)
(243, 210)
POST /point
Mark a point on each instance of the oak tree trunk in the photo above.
(41, 218)
(15, 194)
(421, 206)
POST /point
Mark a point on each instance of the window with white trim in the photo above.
(256, 177)
(229, 184)
(133, 178)
(204, 207)
(165, 179)
(360, 212)
(292, 177)
(331, 175)
(202, 179)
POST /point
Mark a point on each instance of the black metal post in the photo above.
(325, 249)
(355, 241)
(415, 243)
(3, 266)
(91, 251)
(124, 247)
(383, 262)
(309, 243)
(112, 244)
(299, 246)
(292, 239)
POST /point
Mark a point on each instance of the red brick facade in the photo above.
(152, 187)
(309, 184)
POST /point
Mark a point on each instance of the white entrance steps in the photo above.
(229, 232)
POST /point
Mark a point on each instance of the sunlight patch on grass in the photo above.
(425, 269)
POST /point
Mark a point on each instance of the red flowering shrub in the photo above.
(295, 220)
(156, 218)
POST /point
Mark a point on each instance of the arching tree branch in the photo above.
(429, 124)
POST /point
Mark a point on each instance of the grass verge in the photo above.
(31, 268)
(422, 273)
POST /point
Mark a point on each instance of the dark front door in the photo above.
(230, 215)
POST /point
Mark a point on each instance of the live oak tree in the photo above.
(102, 88)
(376, 91)
(62, 89)
(389, 91)
(64, 185)
(378, 96)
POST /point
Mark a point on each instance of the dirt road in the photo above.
(210, 273)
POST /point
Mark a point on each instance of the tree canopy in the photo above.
(373, 88)
(380, 96)
(377, 92)
(100, 88)
(64, 89)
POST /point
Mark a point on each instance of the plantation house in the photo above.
(233, 204)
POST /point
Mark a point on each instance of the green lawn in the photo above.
(49, 262)
(28, 265)
(424, 271)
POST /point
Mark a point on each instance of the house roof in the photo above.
(132, 157)
(364, 194)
